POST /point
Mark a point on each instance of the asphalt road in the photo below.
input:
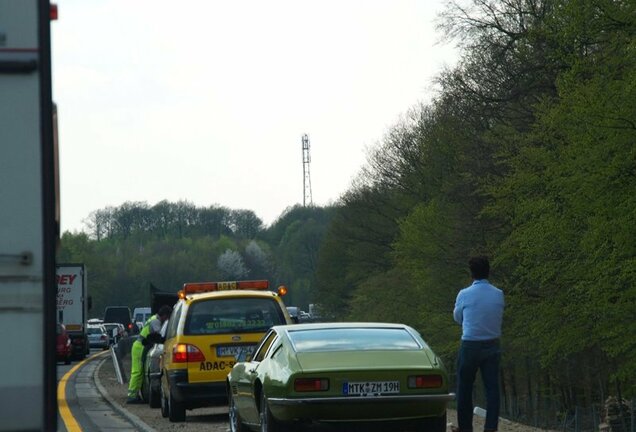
(201, 419)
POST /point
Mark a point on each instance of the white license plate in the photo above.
(232, 350)
(370, 388)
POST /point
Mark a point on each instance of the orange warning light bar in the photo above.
(201, 287)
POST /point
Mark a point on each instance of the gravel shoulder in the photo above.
(215, 419)
(201, 419)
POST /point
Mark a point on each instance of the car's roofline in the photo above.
(284, 330)
(335, 325)
(232, 293)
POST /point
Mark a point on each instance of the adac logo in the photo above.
(236, 338)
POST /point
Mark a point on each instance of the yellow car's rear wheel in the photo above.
(176, 410)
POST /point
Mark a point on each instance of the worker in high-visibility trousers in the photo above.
(149, 335)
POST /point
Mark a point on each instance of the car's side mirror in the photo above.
(241, 355)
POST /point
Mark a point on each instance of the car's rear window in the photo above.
(232, 315)
(94, 330)
(352, 339)
(117, 315)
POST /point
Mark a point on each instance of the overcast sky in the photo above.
(206, 101)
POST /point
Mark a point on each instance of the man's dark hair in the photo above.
(479, 267)
(164, 311)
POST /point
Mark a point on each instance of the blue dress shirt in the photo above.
(479, 310)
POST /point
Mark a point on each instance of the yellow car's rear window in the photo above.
(232, 315)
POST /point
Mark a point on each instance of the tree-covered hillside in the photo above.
(527, 155)
(134, 246)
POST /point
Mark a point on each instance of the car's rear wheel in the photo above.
(176, 410)
(154, 397)
(164, 404)
(268, 422)
(236, 423)
(433, 424)
(144, 388)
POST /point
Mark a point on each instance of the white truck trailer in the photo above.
(29, 226)
(72, 305)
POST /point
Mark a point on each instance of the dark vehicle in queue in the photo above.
(208, 326)
(376, 373)
(120, 314)
(79, 344)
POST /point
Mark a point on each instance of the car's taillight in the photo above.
(183, 353)
(103, 337)
(311, 384)
(425, 381)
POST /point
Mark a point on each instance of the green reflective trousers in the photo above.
(136, 372)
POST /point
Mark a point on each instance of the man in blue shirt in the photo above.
(479, 310)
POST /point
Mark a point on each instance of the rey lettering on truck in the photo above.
(65, 279)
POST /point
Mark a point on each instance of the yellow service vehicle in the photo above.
(210, 323)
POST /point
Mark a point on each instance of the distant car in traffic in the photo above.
(115, 332)
(141, 315)
(294, 313)
(339, 372)
(63, 349)
(97, 336)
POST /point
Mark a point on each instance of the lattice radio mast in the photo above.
(307, 200)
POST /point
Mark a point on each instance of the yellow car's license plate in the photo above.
(233, 350)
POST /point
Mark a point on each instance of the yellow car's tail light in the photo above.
(311, 384)
(184, 353)
(425, 381)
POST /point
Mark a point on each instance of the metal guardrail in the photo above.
(118, 352)
(119, 371)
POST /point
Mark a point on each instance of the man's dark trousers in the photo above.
(473, 356)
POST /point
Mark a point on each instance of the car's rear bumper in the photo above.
(63, 354)
(361, 399)
(195, 395)
(79, 344)
(79, 350)
(372, 408)
(98, 344)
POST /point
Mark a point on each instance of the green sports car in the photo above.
(339, 373)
